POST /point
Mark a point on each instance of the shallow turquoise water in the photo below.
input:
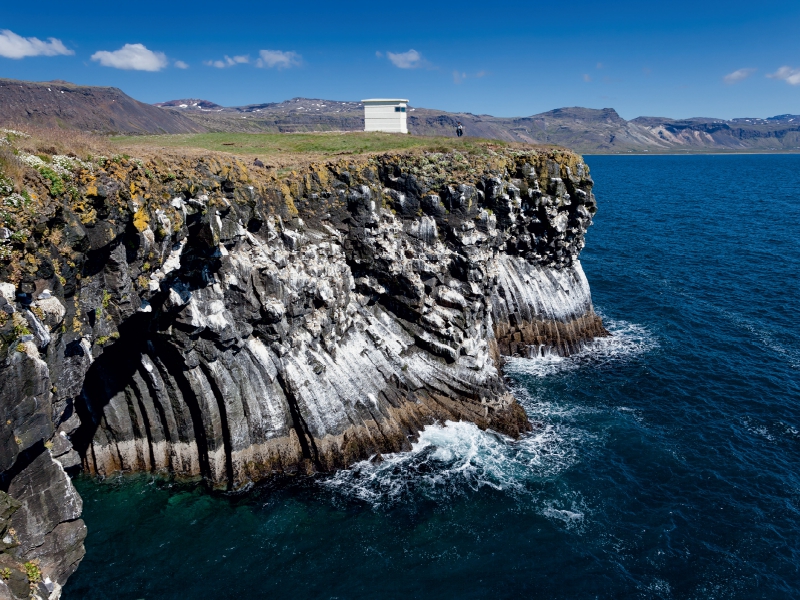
(666, 463)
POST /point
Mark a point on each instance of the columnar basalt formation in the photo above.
(199, 317)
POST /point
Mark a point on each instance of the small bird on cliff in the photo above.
(258, 163)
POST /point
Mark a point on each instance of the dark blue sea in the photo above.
(667, 464)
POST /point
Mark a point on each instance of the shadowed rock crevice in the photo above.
(223, 419)
(304, 437)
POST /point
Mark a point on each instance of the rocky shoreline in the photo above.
(199, 316)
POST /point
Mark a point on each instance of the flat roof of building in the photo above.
(386, 100)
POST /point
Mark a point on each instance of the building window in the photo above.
(399, 109)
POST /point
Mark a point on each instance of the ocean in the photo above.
(664, 461)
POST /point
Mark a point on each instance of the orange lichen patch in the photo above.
(322, 173)
(288, 200)
(88, 217)
(141, 220)
(84, 177)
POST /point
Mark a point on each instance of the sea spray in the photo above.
(627, 341)
(454, 458)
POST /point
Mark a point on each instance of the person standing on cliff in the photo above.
(459, 129)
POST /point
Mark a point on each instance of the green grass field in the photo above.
(273, 144)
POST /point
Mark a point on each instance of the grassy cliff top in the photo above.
(286, 148)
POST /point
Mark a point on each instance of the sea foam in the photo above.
(627, 341)
(455, 457)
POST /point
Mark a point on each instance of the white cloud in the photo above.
(16, 46)
(406, 60)
(132, 57)
(277, 59)
(379, 54)
(228, 61)
(738, 75)
(181, 65)
(788, 74)
(460, 76)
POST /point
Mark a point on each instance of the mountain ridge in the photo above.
(582, 129)
(87, 108)
(108, 110)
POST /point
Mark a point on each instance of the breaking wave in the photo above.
(627, 340)
(455, 457)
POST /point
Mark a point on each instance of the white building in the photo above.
(385, 114)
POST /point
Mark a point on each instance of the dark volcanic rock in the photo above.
(47, 497)
(227, 323)
(25, 403)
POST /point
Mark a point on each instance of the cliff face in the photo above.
(205, 318)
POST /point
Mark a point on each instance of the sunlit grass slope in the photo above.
(274, 144)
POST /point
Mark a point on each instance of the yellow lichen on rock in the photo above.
(141, 220)
(288, 200)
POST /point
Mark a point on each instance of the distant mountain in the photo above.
(295, 115)
(87, 108)
(586, 130)
(192, 103)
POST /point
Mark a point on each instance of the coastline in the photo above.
(683, 153)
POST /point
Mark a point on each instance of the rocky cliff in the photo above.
(206, 318)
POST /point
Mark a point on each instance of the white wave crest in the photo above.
(450, 459)
(569, 510)
(627, 340)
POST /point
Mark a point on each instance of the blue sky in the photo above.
(674, 59)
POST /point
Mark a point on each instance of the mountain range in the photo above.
(88, 108)
(586, 130)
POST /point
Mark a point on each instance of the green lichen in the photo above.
(104, 339)
(20, 326)
(57, 187)
(33, 572)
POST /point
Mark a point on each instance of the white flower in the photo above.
(37, 163)
(14, 132)
(14, 200)
(69, 163)
(6, 186)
